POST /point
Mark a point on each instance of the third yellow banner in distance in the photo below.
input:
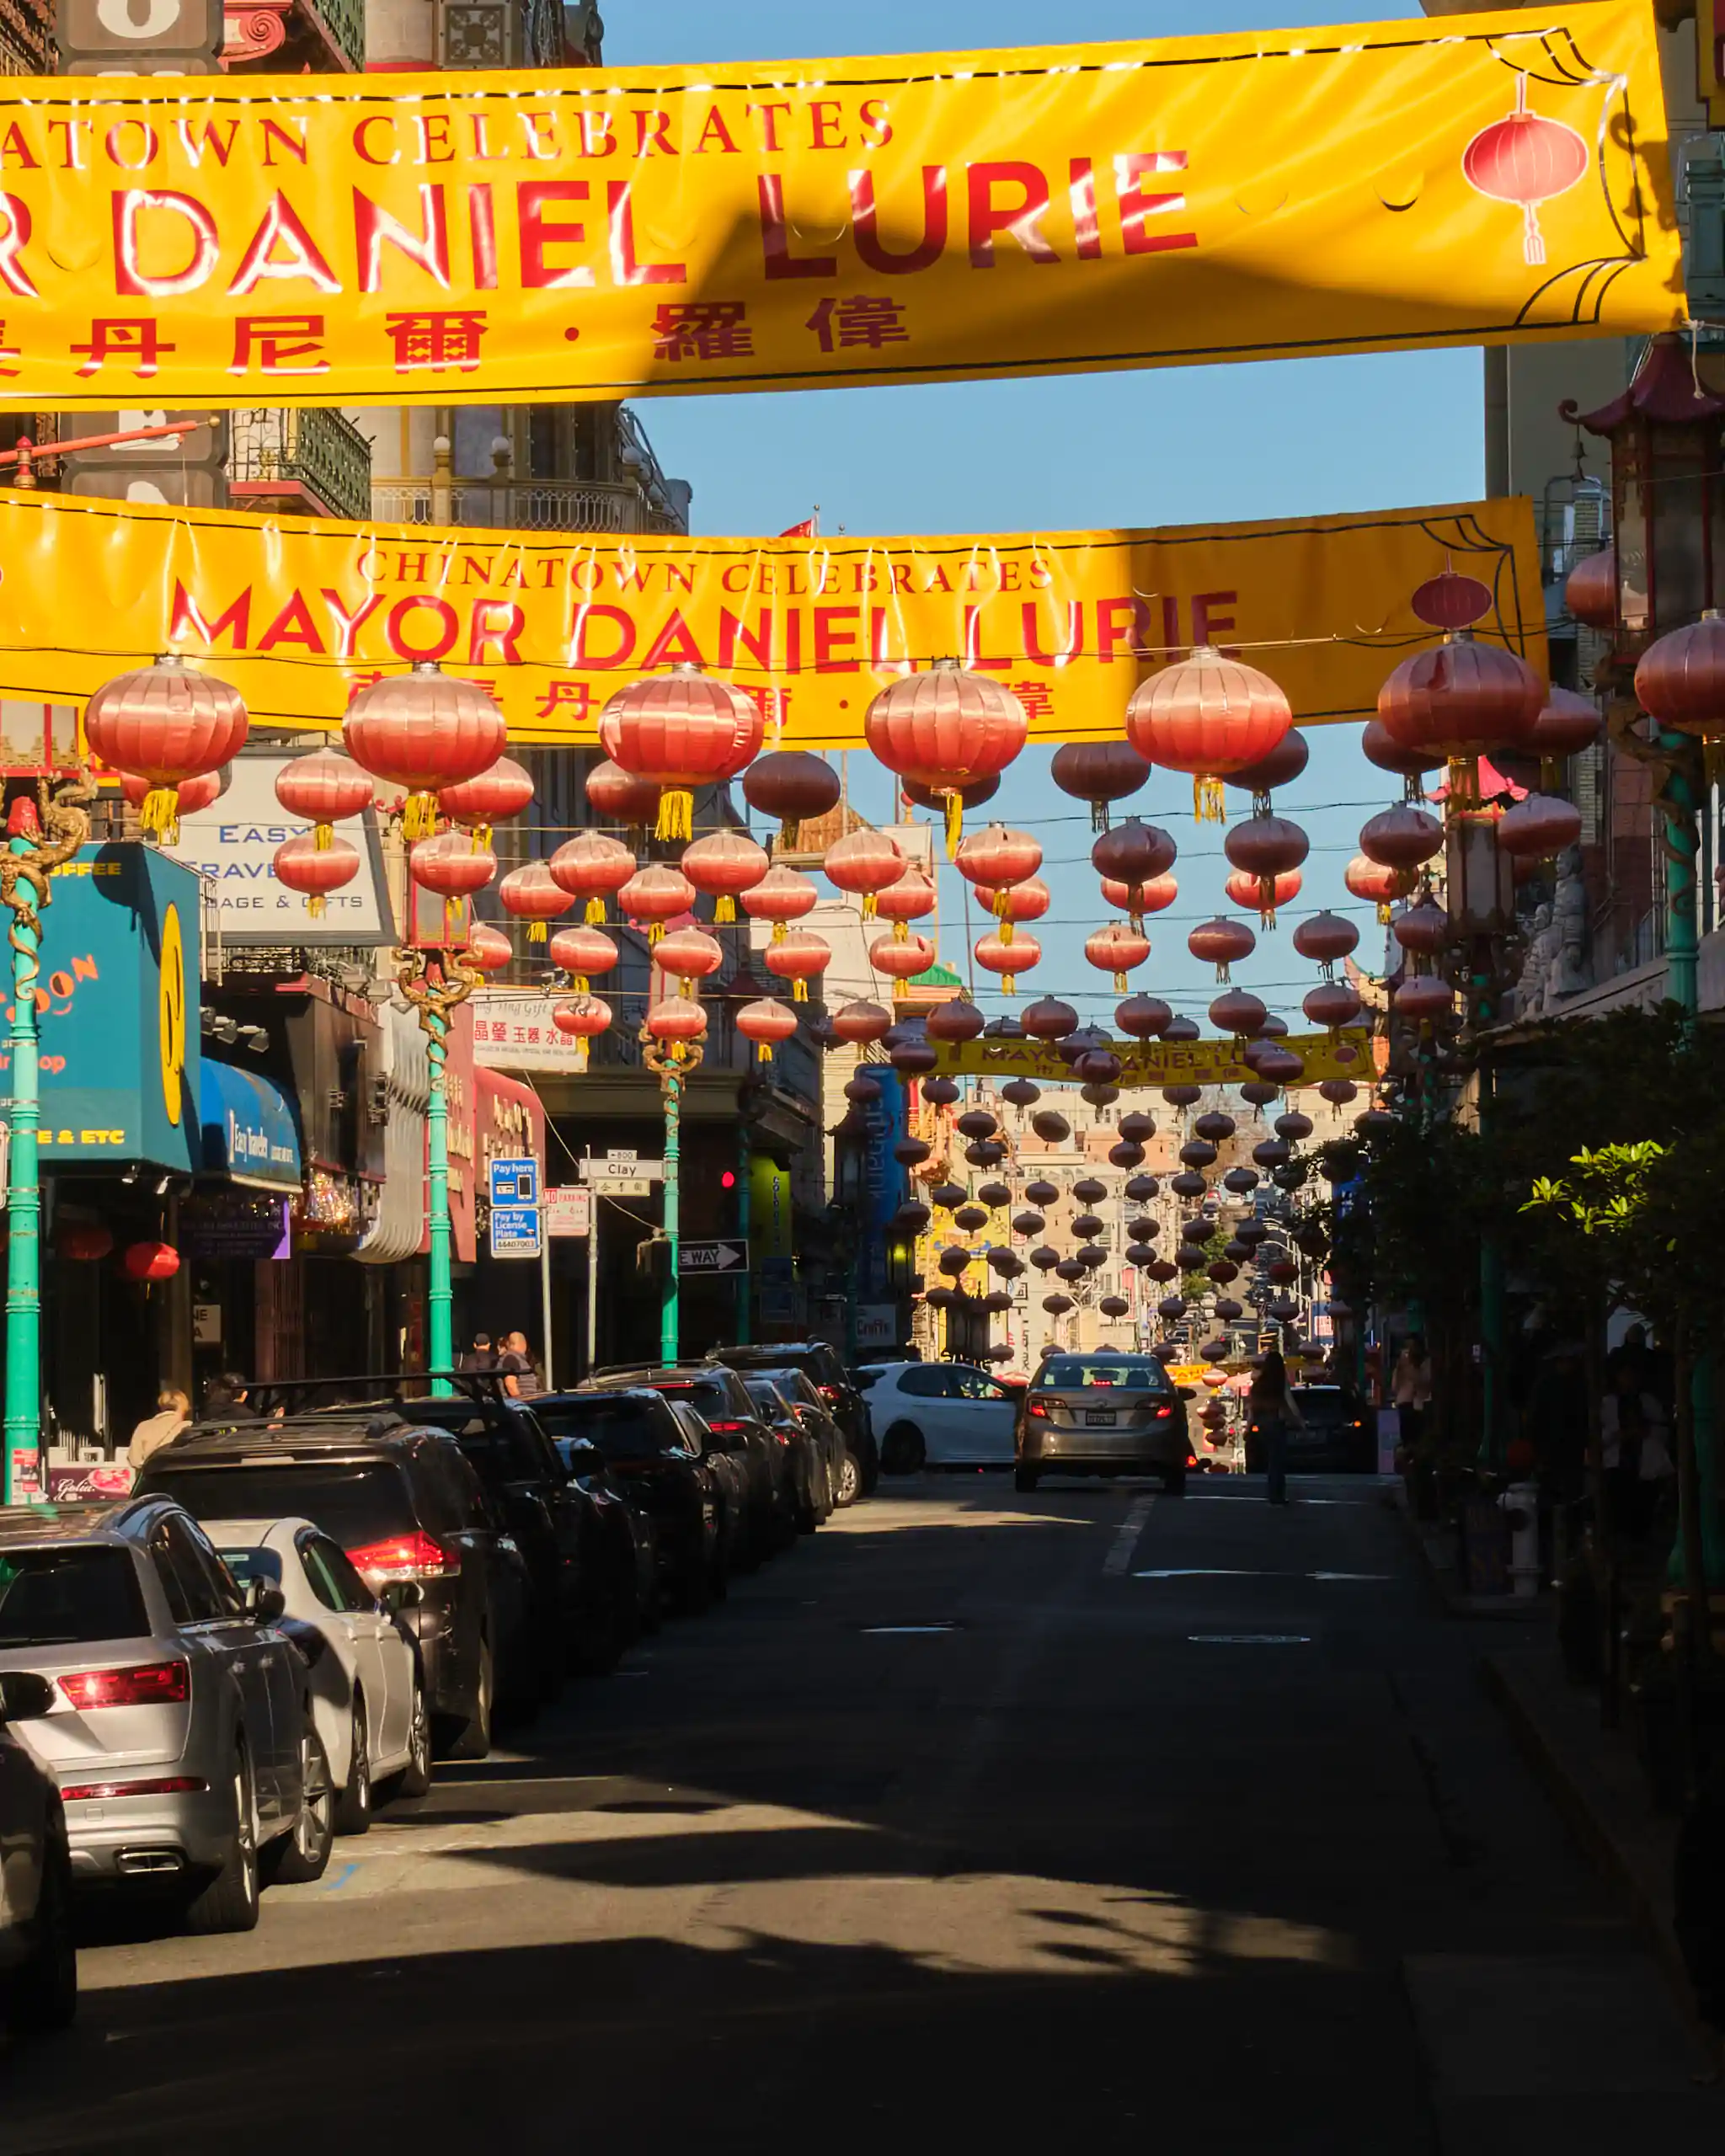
(420, 239)
(298, 612)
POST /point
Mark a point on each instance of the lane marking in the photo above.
(1249, 1639)
(880, 1631)
(340, 1880)
(1126, 1536)
(1208, 1572)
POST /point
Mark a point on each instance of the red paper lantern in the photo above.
(972, 795)
(1423, 929)
(83, 1242)
(1099, 772)
(656, 894)
(1218, 942)
(1461, 700)
(584, 1019)
(944, 729)
(1680, 680)
(1115, 948)
(782, 894)
(1208, 716)
(621, 797)
(189, 796)
(864, 863)
(1383, 749)
(690, 954)
(767, 1022)
(1027, 901)
(451, 865)
(901, 958)
(494, 795)
(723, 865)
(1008, 960)
(1048, 1019)
(324, 789)
(533, 894)
(1590, 591)
(1263, 895)
(861, 1020)
(423, 732)
(1401, 837)
(794, 785)
(165, 723)
(1285, 763)
(1143, 1017)
(1133, 854)
(581, 952)
(957, 1020)
(1567, 724)
(1526, 160)
(799, 958)
(997, 857)
(1332, 1005)
(150, 1261)
(591, 867)
(1138, 899)
(1237, 1012)
(911, 898)
(1326, 936)
(683, 730)
(314, 872)
(1424, 996)
(487, 949)
(1539, 827)
(677, 1019)
(1370, 879)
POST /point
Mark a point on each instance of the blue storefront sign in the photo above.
(250, 1133)
(117, 1013)
(883, 1177)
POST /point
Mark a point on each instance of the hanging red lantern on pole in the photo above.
(1371, 880)
(723, 865)
(798, 957)
(582, 1019)
(452, 867)
(689, 953)
(864, 863)
(656, 894)
(620, 798)
(1524, 160)
(1208, 715)
(533, 894)
(901, 957)
(683, 730)
(1219, 942)
(1008, 960)
(424, 731)
(165, 723)
(495, 795)
(581, 952)
(793, 784)
(1100, 772)
(1027, 901)
(488, 950)
(1401, 837)
(768, 1023)
(945, 729)
(677, 1021)
(324, 789)
(1460, 701)
(189, 796)
(314, 872)
(911, 898)
(1114, 948)
(1261, 895)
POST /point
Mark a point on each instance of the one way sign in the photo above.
(731, 1256)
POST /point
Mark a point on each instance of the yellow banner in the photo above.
(243, 240)
(1161, 1063)
(297, 612)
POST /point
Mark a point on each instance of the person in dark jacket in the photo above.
(1269, 1411)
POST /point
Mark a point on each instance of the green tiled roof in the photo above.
(936, 976)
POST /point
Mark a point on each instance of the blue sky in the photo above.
(1173, 445)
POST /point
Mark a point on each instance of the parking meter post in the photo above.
(592, 1274)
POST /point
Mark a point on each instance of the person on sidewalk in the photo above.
(1269, 1409)
(1636, 1454)
(481, 1356)
(174, 1412)
(520, 1379)
(1411, 1388)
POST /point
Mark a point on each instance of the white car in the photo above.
(937, 1414)
(365, 1692)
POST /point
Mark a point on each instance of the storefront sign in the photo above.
(250, 1135)
(512, 1031)
(235, 1223)
(297, 612)
(233, 843)
(1160, 1063)
(568, 1210)
(519, 237)
(117, 1005)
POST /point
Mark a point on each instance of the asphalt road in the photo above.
(1093, 1818)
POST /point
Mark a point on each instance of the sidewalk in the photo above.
(1437, 1550)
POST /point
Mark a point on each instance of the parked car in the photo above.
(721, 1399)
(817, 1417)
(811, 1487)
(627, 1520)
(640, 1438)
(1103, 1414)
(179, 1731)
(731, 1472)
(1339, 1435)
(38, 1955)
(367, 1697)
(405, 1505)
(822, 1366)
(939, 1415)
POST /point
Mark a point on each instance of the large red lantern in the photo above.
(1460, 701)
(723, 865)
(1526, 160)
(479, 804)
(656, 894)
(584, 1019)
(798, 957)
(681, 729)
(1208, 716)
(423, 732)
(488, 950)
(324, 789)
(189, 796)
(533, 894)
(1114, 948)
(452, 867)
(1373, 881)
(768, 1023)
(691, 954)
(581, 952)
(1219, 942)
(591, 867)
(165, 723)
(864, 863)
(150, 1261)
(1008, 960)
(945, 729)
(1099, 772)
(1401, 837)
(901, 957)
(631, 803)
(314, 872)
(911, 898)
(793, 784)
(1680, 678)
(782, 894)
(1133, 854)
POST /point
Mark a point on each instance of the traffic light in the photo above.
(727, 1179)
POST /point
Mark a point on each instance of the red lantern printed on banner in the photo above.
(1526, 160)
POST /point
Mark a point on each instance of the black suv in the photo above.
(404, 1505)
(721, 1399)
(820, 1364)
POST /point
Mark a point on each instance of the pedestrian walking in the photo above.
(1411, 1388)
(226, 1396)
(520, 1373)
(481, 1356)
(174, 1410)
(1269, 1411)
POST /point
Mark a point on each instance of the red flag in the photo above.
(809, 528)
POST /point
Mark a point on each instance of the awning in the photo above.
(251, 1133)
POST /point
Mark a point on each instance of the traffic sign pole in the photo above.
(592, 1279)
(545, 1293)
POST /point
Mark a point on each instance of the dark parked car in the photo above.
(1103, 1414)
(811, 1492)
(405, 1505)
(821, 1364)
(1340, 1436)
(730, 1470)
(638, 1437)
(831, 1453)
(721, 1399)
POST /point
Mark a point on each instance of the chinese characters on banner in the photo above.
(1349, 1054)
(297, 613)
(550, 236)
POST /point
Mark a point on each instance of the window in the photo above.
(229, 1601)
(191, 1594)
(333, 1579)
(60, 1596)
(928, 1381)
(1077, 1374)
(361, 1500)
(973, 1385)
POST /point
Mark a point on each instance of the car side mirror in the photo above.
(24, 1696)
(583, 1457)
(398, 1595)
(264, 1603)
(1187, 1391)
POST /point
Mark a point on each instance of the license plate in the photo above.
(1099, 1417)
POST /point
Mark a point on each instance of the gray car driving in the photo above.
(1102, 1414)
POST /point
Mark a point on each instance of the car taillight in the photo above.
(145, 1685)
(1034, 1406)
(415, 1556)
(1192, 1460)
(1165, 1409)
(827, 1391)
(168, 1785)
(727, 1429)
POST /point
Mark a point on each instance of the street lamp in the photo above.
(670, 1037)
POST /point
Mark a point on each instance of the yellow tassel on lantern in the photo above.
(159, 813)
(581, 1051)
(451, 918)
(314, 906)
(594, 910)
(482, 837)
(955, 823)
(418, 816)
(676, 814)
(725, 910)
(322, 834)
(870, 911)
(902, 931)
(1383, 913)
(656, 931)
(679, 1052)
(763, 1051)
(780, 931)
(1210, 804)
(537, 933)
(686, 985)
(1009, 984)
(579, 984)
(1121, 984)
(799, 994)
(1006, 931)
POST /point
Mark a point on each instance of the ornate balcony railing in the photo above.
(597, 505)
(313, 456)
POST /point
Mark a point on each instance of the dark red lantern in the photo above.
(956, 1021)
(1461, 700)
(793, 784)
(1680, 679)
(1237, 1012)
(1048, 1019)
(1425, 929)
(1401, 837)
(1326, 936)
(621, 799)
(1219, 942)
(1590, 591)
(1143, 1017)
(861, 1020)
(1100, 772)
(1285, 763)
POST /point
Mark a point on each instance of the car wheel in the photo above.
(230, 1901)
(1024, 1478)
(473, 1736)
(1174, 1481)
(42, 1993)
(850, 1479)
(353, 1807)
(301, 1855)
(903, 1452)
(415, 1778)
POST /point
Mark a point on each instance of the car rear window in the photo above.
(708, 1396)
(623, 1429)
(55, 1597)
(1077, 1373)
(355, 1500)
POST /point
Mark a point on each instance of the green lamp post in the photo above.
(671, 1038)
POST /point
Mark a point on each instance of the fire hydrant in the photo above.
(1520, 1506)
